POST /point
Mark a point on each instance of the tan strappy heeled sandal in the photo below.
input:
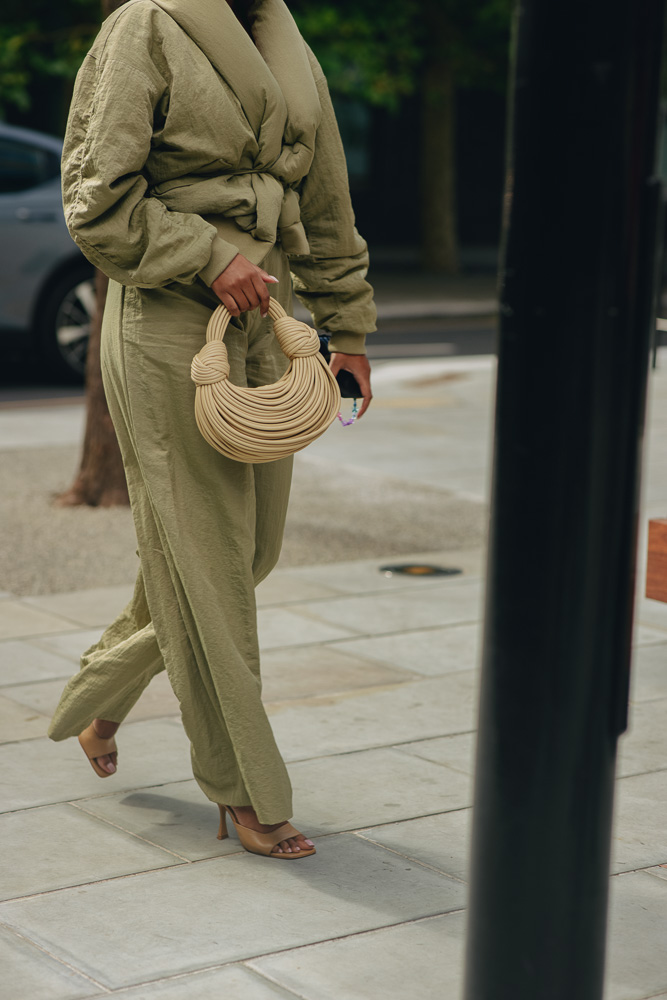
(261, 843)
(94, 746)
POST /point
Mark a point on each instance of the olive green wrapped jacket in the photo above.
(223, 146)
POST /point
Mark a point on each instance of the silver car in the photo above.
(47, 293)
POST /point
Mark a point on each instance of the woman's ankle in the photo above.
(105, 729)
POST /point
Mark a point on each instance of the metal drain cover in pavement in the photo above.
(419, 569)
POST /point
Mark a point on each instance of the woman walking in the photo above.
(202, 164)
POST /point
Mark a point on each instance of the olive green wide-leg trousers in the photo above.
(209, 529)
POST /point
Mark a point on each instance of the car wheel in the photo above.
(64, 322)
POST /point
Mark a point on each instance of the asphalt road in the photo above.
(399, 338)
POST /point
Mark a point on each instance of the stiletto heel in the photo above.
(222, 831)
(262, 843)
(94, 746)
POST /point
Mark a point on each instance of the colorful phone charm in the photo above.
(355, 410)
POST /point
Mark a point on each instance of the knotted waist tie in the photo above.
(277, 211)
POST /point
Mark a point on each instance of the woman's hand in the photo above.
(242, 286)
(359, 366)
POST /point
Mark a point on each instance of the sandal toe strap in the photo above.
(268, 841)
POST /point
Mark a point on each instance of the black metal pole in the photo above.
(576, 309)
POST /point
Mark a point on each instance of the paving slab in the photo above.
(369, 788)
(29, 974)
(19, 620)
(185, 918)
(40, 772)
(645, 635)
(640, 824)
(331, 794)
(649, 672)
(441, 841)
(312, 671)
(642, 748)
(454, 752)
(284, 587)
(70, 645)
(365, 576)
(416, 959)
(18, 722)
(650, 612)
(22, 661)
(175, 816)
(41, 426)
(157, 701)
(660, 871)
(289, 627)
(233, 982)
(93, 607)
(57, 846)
(375, 615)
(429, 652)
(406, 713)
(636, 966)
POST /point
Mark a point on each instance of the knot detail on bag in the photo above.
(211, 364)
(297, 340)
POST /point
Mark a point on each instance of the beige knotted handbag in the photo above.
(268, 422)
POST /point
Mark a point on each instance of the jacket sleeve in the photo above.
(331, 280)
(130, 236)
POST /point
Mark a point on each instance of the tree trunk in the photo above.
(440, 251)
(100, 481)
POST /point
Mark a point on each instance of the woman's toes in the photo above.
(107, 764)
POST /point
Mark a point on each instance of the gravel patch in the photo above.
(335, 515)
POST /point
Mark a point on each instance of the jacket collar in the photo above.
(271, 78)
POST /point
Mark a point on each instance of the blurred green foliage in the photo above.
(375, 50)
(42, 42)
(372, 50)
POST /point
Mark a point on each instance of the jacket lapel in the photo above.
(213, 27)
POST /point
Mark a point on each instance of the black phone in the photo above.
(347, 383)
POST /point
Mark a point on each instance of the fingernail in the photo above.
(310, 843)
(273, 278)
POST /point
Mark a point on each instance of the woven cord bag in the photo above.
(267, 422)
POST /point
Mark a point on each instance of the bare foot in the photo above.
(247, 817)
(105, 730)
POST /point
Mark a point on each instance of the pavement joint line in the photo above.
(150, 871)
(102, 795)
(640, 774)
(646, 870)
(376, 635)
(266, 978)
(117, 826)
(418, 679)
(409, 857)
(42, 637)
(385, 746)
(346, 595)
(52, 955)
(355, 934)
(89, 882)
(238, 963)
(424, 582)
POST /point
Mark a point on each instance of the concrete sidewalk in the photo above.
(120, 888)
